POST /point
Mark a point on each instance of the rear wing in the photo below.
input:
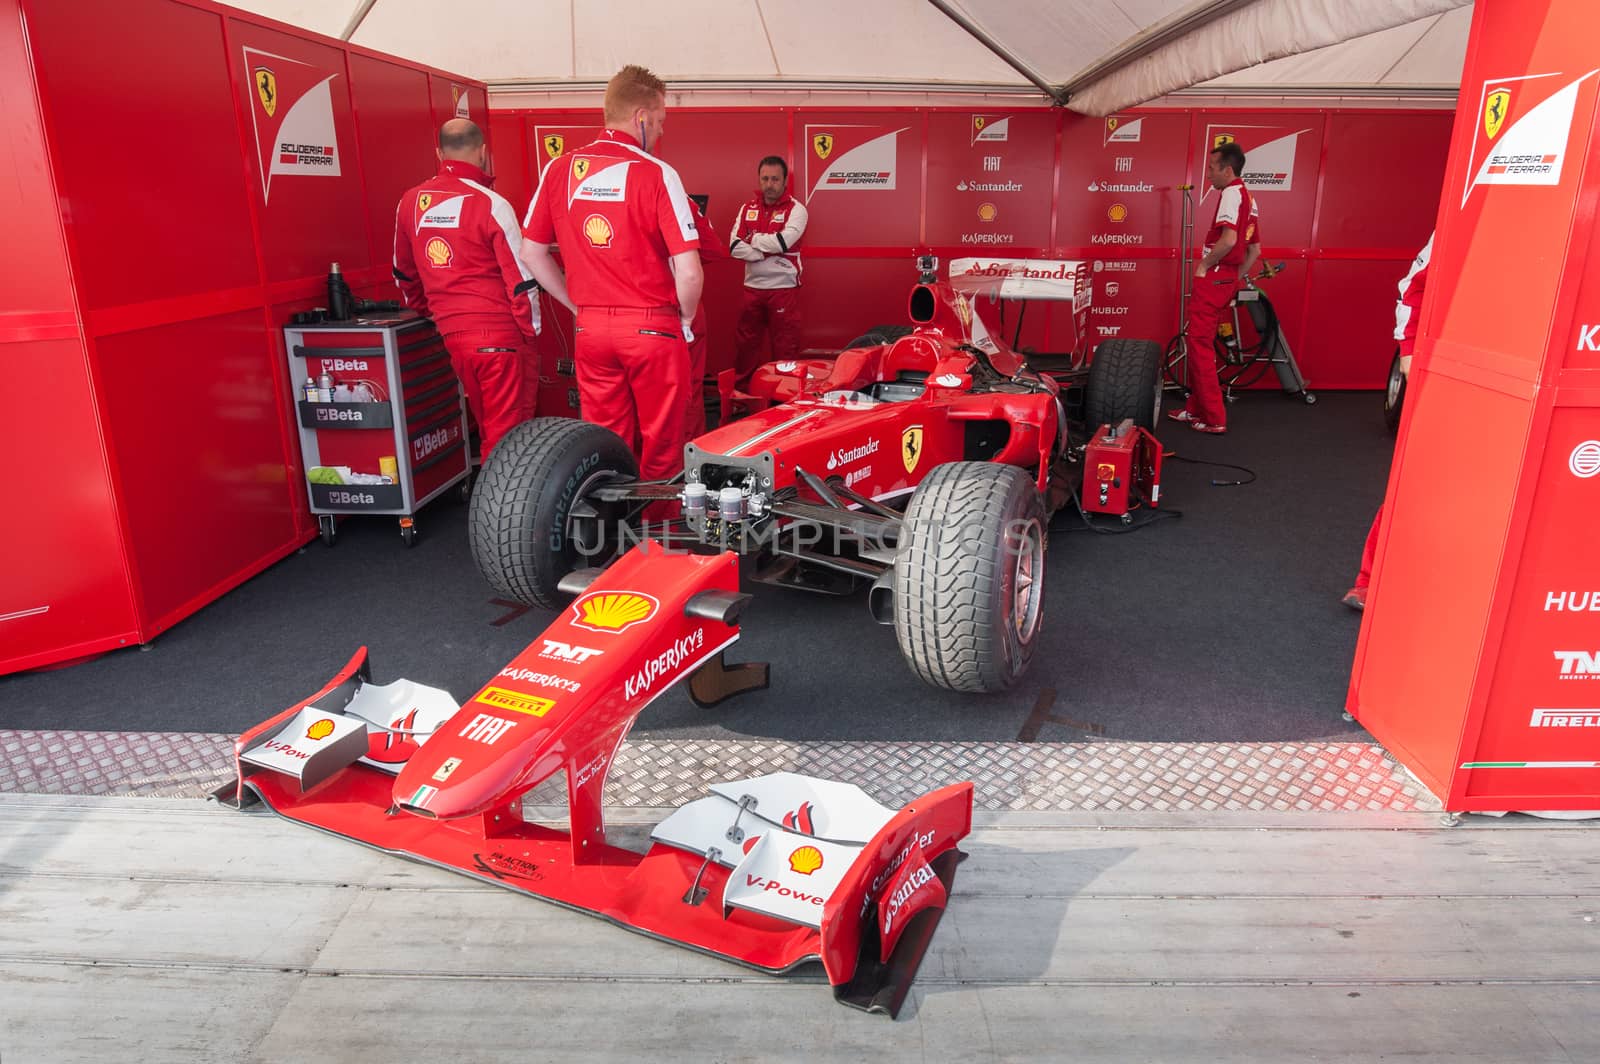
(1057, 280)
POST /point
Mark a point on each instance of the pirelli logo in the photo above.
(515, 701)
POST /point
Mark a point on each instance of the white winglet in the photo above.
(788, 876)
(824, 809)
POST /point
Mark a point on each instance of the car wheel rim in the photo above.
(1395, 380)
(1027, 580)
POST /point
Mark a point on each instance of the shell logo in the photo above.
(613, 611)
(1117, 212)
(598, 229)
(987, 212)
(805, 860)
(439, 252)
(320, 730)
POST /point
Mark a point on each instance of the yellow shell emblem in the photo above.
(612, 611)
(987, 212)
(320, 729)
(1117, 212)
(805, 860)
(439, 252)
(597, 228)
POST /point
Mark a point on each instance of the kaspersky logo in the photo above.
(613, 611)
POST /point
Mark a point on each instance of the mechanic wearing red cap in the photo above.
(765, 234)
(1406, 312)
(1216, 277)
(627, 234)
(712, 249)
(455, 260)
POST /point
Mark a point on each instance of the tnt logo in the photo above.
(567, 652)
(1578, 664)
(486, 728)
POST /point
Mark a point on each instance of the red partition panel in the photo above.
(153, 174)
(307, 168)
(191, 173)
(860, 175)
(397, 139)
(989, 181)
(1479, 657)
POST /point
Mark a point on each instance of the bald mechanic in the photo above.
(1216, 278)
(628, 237)
(455, 260)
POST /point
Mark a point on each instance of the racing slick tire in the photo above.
(1124, 381)
(969, 577)
(519, 524)
(877, 335)
(1394, 396)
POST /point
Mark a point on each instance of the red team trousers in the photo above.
(772, 310)
(492, 365)
(1205, 311)
(633, 378)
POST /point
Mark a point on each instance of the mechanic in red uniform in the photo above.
(712, 249)
(627, 235)
(765, 233)
(455, 260)
(1406, 311)
(1216, 277)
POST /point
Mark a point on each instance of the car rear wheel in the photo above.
(1124, 382)
(969, 577)
(522, 525)
(877, 335)
(1394, 396)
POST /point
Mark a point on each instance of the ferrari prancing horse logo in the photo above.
(1494, 111)
(554, 143)
(424, 201)
(580, 168)
(911, 447)
(822, 144)
(267, 89)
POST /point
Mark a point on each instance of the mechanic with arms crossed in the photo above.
(1216, 277)
(627, 233)
(765, 233)
(1407, 309)
(455, 260)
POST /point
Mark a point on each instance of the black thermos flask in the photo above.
(339, 295)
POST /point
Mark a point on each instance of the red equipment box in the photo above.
(395, 399)
(1121, 470)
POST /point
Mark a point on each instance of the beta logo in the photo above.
(346, 365)
(613, 611)
(351, 498)
(1578, 664)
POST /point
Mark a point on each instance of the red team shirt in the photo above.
(1235, 207)
(626, 213)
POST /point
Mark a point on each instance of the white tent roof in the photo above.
(1097, 56)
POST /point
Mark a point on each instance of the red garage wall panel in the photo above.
(1347, 198)
(172, 209)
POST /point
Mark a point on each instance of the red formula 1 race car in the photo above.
(923, 466)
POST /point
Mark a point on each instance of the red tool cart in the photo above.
(376, 397)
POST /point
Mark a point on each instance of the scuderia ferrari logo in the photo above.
(424, 201)
(1494, 111)
(266, 89)
(580, 169)
(553, 144)
(911, 447)
(822, 144)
